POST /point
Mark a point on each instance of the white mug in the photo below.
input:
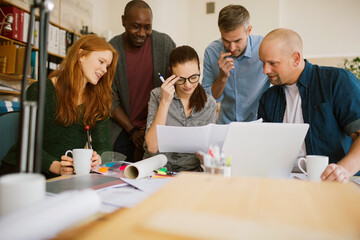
(18, 190)
(82, 160)
(315, 166)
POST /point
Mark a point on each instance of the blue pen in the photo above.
(161, 77)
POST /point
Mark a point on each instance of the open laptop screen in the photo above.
(263, 149)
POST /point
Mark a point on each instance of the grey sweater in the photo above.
(161, 47)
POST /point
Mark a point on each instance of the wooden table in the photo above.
(200, 206)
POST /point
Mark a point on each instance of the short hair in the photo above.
(135, 4)
(232, 17)
(185, 54)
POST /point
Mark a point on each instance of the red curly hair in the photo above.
(97, 98)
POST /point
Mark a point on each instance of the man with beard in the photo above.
(326, 98)
(232, 69)
(143, 53)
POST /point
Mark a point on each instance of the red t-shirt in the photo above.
(140, 72)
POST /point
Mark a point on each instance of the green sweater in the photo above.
(58, 139)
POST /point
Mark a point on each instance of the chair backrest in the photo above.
(9, 131)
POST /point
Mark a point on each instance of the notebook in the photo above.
(263, 149)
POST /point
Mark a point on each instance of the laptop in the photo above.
(267, 150)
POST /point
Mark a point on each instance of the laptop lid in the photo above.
(263, 149)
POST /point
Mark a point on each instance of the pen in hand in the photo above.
(161, 77)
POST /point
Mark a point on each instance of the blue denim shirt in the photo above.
(330, 101)
(244, 87)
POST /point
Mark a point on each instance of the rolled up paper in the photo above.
(145, 167)
(46, 218)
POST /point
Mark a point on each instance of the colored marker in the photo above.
(161, 77)
(228, 160)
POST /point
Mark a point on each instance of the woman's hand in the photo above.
(66, 165)
(63, 167)
(168, 89)
(95, 160)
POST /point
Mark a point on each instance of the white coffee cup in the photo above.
(82, 160)
(18, 190)
(315, 166)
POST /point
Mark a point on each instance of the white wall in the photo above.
(329, 28)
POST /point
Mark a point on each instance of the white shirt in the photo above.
(293, 113)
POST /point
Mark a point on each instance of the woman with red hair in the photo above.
(78, 93)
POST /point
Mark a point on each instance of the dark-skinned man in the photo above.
(143, 53)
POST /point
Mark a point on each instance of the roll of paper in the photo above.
(48, 217)
(145, 167)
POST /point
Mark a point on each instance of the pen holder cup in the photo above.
(218, 170)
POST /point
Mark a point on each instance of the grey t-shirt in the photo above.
(176, 117)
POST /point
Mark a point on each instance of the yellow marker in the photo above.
(228, 160)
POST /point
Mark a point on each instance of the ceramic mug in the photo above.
(315, 166)
(82, 160)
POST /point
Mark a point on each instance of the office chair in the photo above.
(9, 131)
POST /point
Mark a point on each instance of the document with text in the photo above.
(190, 139)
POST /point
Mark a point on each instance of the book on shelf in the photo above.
(20, 61)
(36, 34)
(26, 27)
(5, 87)
(14, 86)
(17, 25)
(62, 43)
(34, 65)
(8, 50)
(3, 64)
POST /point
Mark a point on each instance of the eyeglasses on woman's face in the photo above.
(192, 79)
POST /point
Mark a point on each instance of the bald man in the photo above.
(325, 97)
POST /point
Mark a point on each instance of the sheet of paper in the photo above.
(148, 184)
(190, 139)
(131, 195)
(127, 196)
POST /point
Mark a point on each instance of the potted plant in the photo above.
(353, 66)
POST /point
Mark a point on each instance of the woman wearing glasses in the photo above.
(181, 101)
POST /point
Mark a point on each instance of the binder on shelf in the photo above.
(3, 64)
(17, 24)
(26, 27)
(19, 64)
(36, 34)
(34, 65)
(52, 63)
(8, 50)
(62, 43)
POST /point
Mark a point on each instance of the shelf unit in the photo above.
(15, 95)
